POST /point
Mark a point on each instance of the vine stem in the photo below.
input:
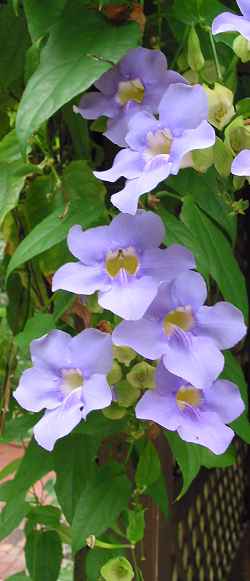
(215, 55)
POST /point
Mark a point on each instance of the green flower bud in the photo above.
(191, 76)
(114, 412)
(117, 569)
(237, 135)
(142, 376)
(115, 374)
(209, 72)
(124, 355)
(241, 47)
(182, 61)
(238, 182)
(203, 159)
(220, 105)
(126, 394)
(223, 157)
(195, 57)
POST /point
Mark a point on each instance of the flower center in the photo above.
(180, 317)
(72, 379)
(159, 143)
(220, 112)
(121, 260)
(188, 396)
(130, 91)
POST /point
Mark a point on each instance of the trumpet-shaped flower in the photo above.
(227, 21)
(137, 82)
(123, 262)
(158, 147)
(68, 380)
(188, 335)
(198, 415)
(241, 164)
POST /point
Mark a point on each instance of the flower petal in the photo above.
(91, 245)
(144, 336)
(51, 350)
(127, 163)
(91, 351)
(97, 394)
(223, 323)
(131, 300)
(207, 430)
(227, 22)
(183, 107)
(160, 409)
(196, 359)
(92, 105)
(201, 137)
(139, 126)
(241, 164)
(108, 82)
(244, 6)
(38, 389)
(144, 64)
(223, 398)
(80, 279)
(144, 230)
(59, 422)
(166, 264)
(117, 127)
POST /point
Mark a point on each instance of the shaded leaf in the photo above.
(43, 555)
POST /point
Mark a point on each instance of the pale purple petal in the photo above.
(91, 245)
(223, 398)
(144, 336)
(127, 163)
(127, 199)
(196, 359)
(117, 128)
(97, 394)
(166, 382)
(183, 107)
(241, 164)
(59, 422)
(94, 104)
(38, 388)
(144, 64)
(167, 264)
(223, 322)
(108, 82)
(200, 138)
(158, 408)
(207, 430)
(80, 279)
(144, 230)
(227, 22)
(129, 300)
(188, 289)
(47, 351)
(91, 351)
(139, 126)
(244, 6)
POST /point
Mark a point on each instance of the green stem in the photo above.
(216, 60)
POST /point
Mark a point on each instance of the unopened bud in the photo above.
(220, 105)
(195, 57)
(237, 135)
(117, 569)
(114, 412)
(126, 394)
(203, 159)
(115, 374)
(223, 157)
(191, 76)
(142, 376)
(124, 354)
(241, 47)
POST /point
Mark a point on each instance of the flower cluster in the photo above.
(158, 119)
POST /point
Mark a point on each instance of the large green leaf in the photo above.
(194, 11)
(80, 48)
(12, 178)
(233, 372)
(220, 259)
(101, 502)
(43, 554)
(13, 45)
(85, 206)
(149, 467)
(42, 15)
(188, 458)
(12, 514)
(36, 326)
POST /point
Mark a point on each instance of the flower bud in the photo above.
(117, 569)
(126, 394)
(203, 159)
(114, 412)
(191, 76)
(237, 135)
(124, 355)
(195, 57)
(115, 374)
(220, 105)
(142, 376)
(241, 47)
(223, 157)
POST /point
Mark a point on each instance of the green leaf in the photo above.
(100, 504)
(85, 207)
(243, 107)
(136, 525)
(17, 428)
(43, 554)
(95, 560)
(35, 327)
(221, 262)
(158, 492)
(45, 515)
(210, 460)
(18, 577)
(12, 514)
(194, 11)
(12, 178)
(74, 464)
(117, 569)
(9, 468)
(41, 16)
(10, 148)
(80, 48)
(98, 425)
(233, 372)
(188, 458)
(149, 467)
(13, 45)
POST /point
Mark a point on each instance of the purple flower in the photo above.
(241, 164)
(227, 21)
(68, 379)
(137, 82)
(187, 334)
(198, 415)
(158, 148)
(123, 262)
